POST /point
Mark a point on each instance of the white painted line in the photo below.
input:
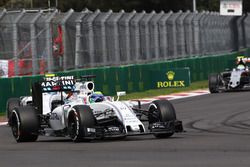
(179, 95)
(3, 123)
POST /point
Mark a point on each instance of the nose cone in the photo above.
(235, 79)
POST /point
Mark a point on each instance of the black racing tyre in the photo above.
(79, 119)
(213, 83)
(162, 111)
(11, 104)
(25, 124)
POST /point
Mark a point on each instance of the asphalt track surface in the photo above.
(217, 134)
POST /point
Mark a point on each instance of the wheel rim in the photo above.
(15, 126)
(154, 112)
(74, 127)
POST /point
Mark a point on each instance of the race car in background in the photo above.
(66, 107)
(229, 80)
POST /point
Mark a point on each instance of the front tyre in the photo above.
(162, 111)
(80, 118)
(24, 124)
(213, 83)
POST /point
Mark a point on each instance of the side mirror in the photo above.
(123, 93)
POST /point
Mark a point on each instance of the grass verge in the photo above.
(165, 91)
(2, 117)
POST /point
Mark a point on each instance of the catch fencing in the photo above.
(129, 78)
(35, 42)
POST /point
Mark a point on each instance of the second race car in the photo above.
(231, 80)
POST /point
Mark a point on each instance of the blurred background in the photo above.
(39, 36)
(117, 5)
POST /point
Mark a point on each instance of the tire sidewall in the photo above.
(165, 112)
(163, 109)
(74, 132)
(16, 132)
(26, 122)
(213, 83)
(83, 117)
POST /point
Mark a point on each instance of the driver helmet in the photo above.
(240, 67)
(96, 97)
(241, 64)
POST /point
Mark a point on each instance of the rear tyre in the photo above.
(161, 111)
(213, 83)
(11, 104)
(24, 124)
(80, 118)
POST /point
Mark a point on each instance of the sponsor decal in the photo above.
(167, 84)
(53, 83)
(52, 77)
(173, 78)
(112, 129)
(108, 111)
(170, 75)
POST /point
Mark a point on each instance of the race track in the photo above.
(217, 134)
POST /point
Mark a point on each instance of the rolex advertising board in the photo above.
(170, 78)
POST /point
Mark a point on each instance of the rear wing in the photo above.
(58, 84)
(86, 78)
(243, 58)
(50, 83)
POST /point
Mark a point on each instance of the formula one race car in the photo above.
(237, 79)
(65, 107)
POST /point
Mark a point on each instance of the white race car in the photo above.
(231, 80)
(60, 106)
